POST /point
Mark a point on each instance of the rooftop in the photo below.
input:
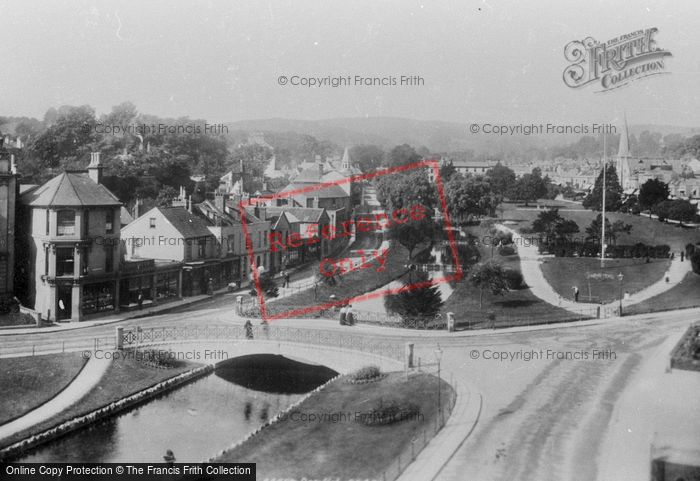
(70, 189)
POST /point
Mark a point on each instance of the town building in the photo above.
(9, 191)
(71, 229)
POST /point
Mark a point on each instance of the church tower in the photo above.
(345, 163)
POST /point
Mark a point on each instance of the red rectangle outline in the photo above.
(434, 164)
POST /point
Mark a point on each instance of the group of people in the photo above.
(347, 316)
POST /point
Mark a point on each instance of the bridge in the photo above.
(341, 351)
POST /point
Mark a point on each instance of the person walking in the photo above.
(682, 255)
(139, 299)
(575, 293)
(349, 316)
(248, 329)
(286, 279)
(343, 315)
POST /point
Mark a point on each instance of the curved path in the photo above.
(531, 261)
(81, 385)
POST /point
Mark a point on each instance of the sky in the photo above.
(481, 61)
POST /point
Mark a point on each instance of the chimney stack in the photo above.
(95, 168)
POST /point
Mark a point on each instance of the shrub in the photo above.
(695, 260)
(513, 277)
(506, 251)
(160, 358)
(366, 373)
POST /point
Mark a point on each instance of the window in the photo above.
(47, 222)
(109, 222)
(66, 222)
(231, 241)
(201, 247)
(64, 261)
(152, 222)
(309, 203)
(86, 223)
(109, 258)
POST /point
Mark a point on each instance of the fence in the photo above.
(409, 454)
(136, 337)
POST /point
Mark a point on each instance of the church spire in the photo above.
(624, 149)
(345, 164)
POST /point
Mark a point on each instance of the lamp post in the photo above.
(620, 276)
(438, 356)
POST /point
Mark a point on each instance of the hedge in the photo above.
(590, 249)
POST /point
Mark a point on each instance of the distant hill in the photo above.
(437, 136)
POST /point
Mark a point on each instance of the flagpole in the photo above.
(602, 235)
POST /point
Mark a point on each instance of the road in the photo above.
(542, 419)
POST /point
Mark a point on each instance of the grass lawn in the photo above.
(644, 229)
(683, 295)
(31, 381)
(601, 284)
(123, 378)
(298, 449)
(516, 307)
(351, 284)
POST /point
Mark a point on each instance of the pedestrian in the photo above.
(139, 299)
(248, 329)
(673, 255)
(350, 316)
(286, 279)
(682, 255)
(343, 314)
(169, 457)
(575, 294)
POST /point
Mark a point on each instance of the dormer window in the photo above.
(66, 222)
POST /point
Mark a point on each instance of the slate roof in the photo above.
(187, 224)
(70, 189)
(301, 214)
(330, 191)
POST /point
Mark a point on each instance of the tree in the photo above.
(682, 211)
(69, 138)
(367, 157)
(651, 193)
(411, 303)
(447, 171)
(529, 187)
(489, 276)
(413, 233)
(662, 210)
(613, 192)
(403, 154)
(612, 230)
(547, 221)
(468, 197)
(405, 190)
(166, 196)
(501, 178)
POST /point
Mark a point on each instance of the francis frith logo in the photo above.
(615, 63)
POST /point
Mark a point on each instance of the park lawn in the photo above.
(644, 229)
(601, 285)
(295, 449)
(351, 285)
(685, 294)
(31, 381)
(515, 307)
(123, 378)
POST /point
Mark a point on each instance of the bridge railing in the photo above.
(135, 337)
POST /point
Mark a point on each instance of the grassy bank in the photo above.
(123, 378)
(515, 307)
(31, 381)
(297, 448)
(596, 284)
(685, 294)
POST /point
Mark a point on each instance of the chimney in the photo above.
(220, 199)
(13, 164)
(316, 202)
(95, 168)
(264, 186)
(189, 204)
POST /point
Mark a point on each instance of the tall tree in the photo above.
(469, 197)
(613, 192)
(501, 178)
(402, 155)
(489, 276)
(612, 230)
(651, 193)
(529, 187)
